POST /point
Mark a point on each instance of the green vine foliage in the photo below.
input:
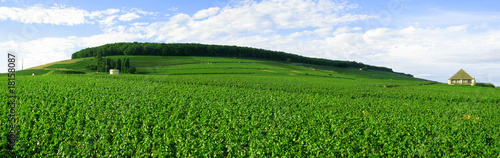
(249, 115)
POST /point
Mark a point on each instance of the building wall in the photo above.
(462, 81)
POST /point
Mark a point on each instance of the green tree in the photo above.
(118, 65)
(98, 57)
(127, 63)
(110, 63)
(124, 66)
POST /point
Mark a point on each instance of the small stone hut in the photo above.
(462, 78)
(114, 71)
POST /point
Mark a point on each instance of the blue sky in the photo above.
(431, 39)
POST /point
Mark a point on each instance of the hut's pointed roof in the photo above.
(461, 75)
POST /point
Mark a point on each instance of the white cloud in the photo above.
(38, 52)
(140, 24)
(128, 17)
(101, 14)
(140, 11)
(62, 15)
(108, 21)
(288, 14)
(58, 15)
(206, 13)
(174, 9)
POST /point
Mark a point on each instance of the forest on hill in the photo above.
(194, 49)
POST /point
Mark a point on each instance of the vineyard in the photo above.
(186, 113)
(239, 115)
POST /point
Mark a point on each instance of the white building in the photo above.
(114, 71)
(462, 77)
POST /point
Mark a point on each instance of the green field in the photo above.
(229, 107)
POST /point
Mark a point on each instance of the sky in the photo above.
(431, 39)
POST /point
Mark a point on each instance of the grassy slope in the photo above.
(179, 65)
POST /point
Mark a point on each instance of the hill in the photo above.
(171, 59)
(192, 49)
(178, 65)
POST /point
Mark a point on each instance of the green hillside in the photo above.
(195, 106)
(177, 65)
(194, 49)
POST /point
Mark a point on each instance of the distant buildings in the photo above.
(462, 78)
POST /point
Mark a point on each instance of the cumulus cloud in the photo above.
(142, 12)
(69, 16)
(206, 13)
(128, 17)
(58, 15)
(108, 21)
(102, 13)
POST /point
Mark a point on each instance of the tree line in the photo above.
(105, 64)
(194, 49)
